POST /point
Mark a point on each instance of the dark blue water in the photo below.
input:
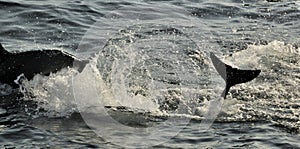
(149, 66)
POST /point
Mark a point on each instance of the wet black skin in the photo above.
(31, 63)
(232, 76)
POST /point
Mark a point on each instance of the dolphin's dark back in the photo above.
(232, 76)
(31, 63)
(3, 53)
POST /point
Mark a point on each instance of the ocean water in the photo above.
(150, 82)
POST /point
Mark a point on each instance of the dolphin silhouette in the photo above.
(45, 62)
(232, 76)
(31, 63)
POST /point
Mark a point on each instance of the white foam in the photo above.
(106, 94)
(252, 56)
(55, 92)
(274, 95)
(52, 93)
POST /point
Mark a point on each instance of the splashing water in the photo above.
(52, 94)
(274, 95)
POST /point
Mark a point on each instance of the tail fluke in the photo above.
(232, 76)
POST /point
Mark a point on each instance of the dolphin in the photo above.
(30, 63)
(44, 62)
(232, 76)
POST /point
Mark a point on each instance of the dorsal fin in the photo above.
(3, 52)
(232, 76)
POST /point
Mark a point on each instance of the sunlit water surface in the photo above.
(149, 68)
